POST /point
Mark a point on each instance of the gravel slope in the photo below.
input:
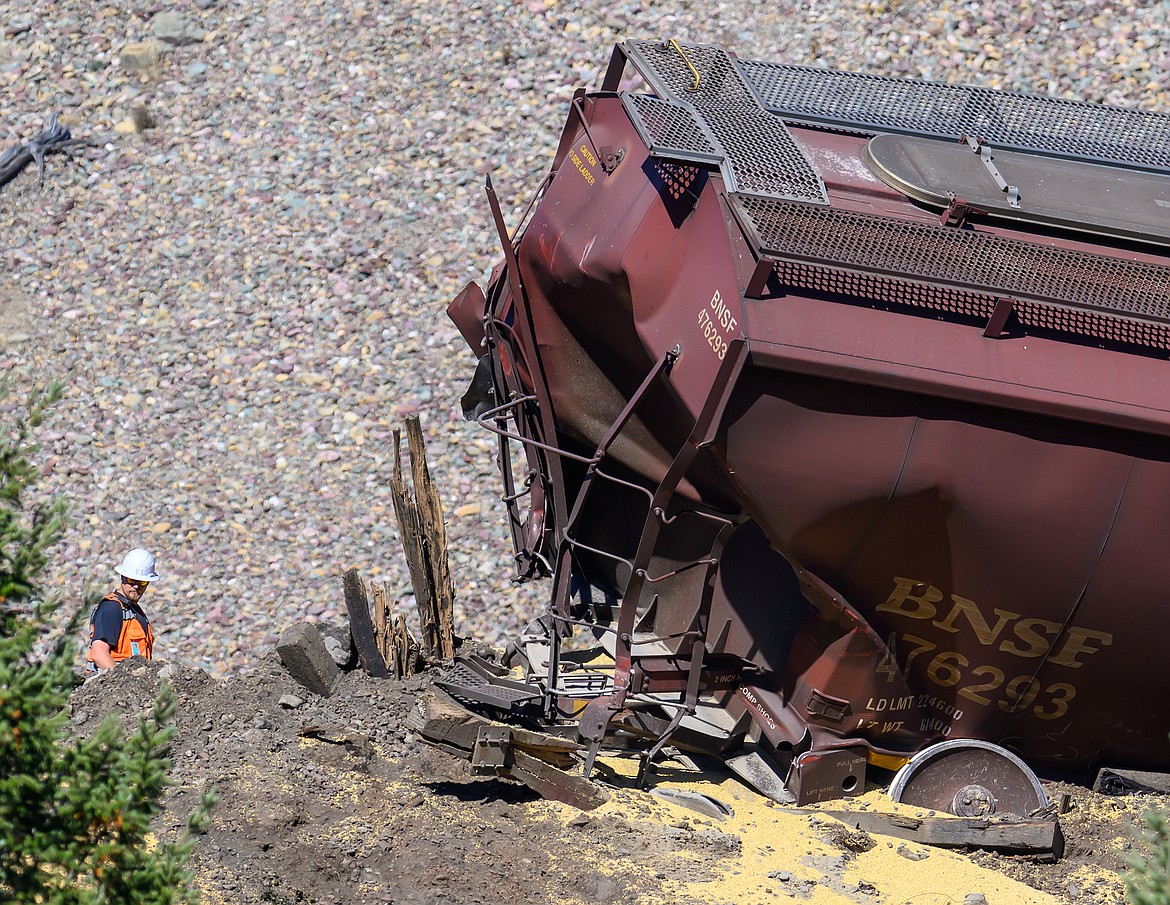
(243, 281)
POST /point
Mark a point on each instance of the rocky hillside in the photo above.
(242, 279)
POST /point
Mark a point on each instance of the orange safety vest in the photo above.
(134, 640)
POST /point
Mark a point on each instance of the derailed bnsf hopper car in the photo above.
(837, 407)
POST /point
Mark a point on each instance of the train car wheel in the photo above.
(969, 778)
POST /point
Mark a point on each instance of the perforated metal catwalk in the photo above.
(760, 156)
(1027, 122)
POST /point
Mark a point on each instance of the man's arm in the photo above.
(102, 658)
(107, 624)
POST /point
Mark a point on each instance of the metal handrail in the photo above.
(482, 421)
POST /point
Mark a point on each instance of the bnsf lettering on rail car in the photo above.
(1032, 637)
(722, 314)
(718, 324)
(857, 369)
(985, 684)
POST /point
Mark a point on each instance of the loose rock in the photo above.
(175, 29)
(141, 55)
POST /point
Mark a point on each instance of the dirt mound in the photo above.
(330, 800)
(327, 800)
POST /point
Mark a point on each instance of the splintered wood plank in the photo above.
(361, 626)
(424, 542)
(549, 782)
(433, 540)
(1017, 837)
(383, 627)
(406, 512)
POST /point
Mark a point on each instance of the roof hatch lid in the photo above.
(1086, 197)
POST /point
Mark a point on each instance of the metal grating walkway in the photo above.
(672, 130)
(1010, 120)
(958, 259)
(714, 109)
(469, 681)
(760, 157)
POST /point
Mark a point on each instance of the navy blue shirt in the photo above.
(107, 619)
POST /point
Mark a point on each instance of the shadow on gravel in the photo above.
(484, 790)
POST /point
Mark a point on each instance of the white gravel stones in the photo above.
(247, 298)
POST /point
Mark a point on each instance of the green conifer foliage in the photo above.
(1148, 881)
(74, 817)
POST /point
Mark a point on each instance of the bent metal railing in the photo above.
(617, 694)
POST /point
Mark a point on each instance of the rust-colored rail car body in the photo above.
(846, 408)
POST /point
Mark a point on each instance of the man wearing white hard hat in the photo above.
(118, 627)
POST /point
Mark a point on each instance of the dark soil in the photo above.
(330, 800)
(1101, 833)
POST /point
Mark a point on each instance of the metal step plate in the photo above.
(475, 680)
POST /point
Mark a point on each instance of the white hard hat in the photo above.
(137, 564)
